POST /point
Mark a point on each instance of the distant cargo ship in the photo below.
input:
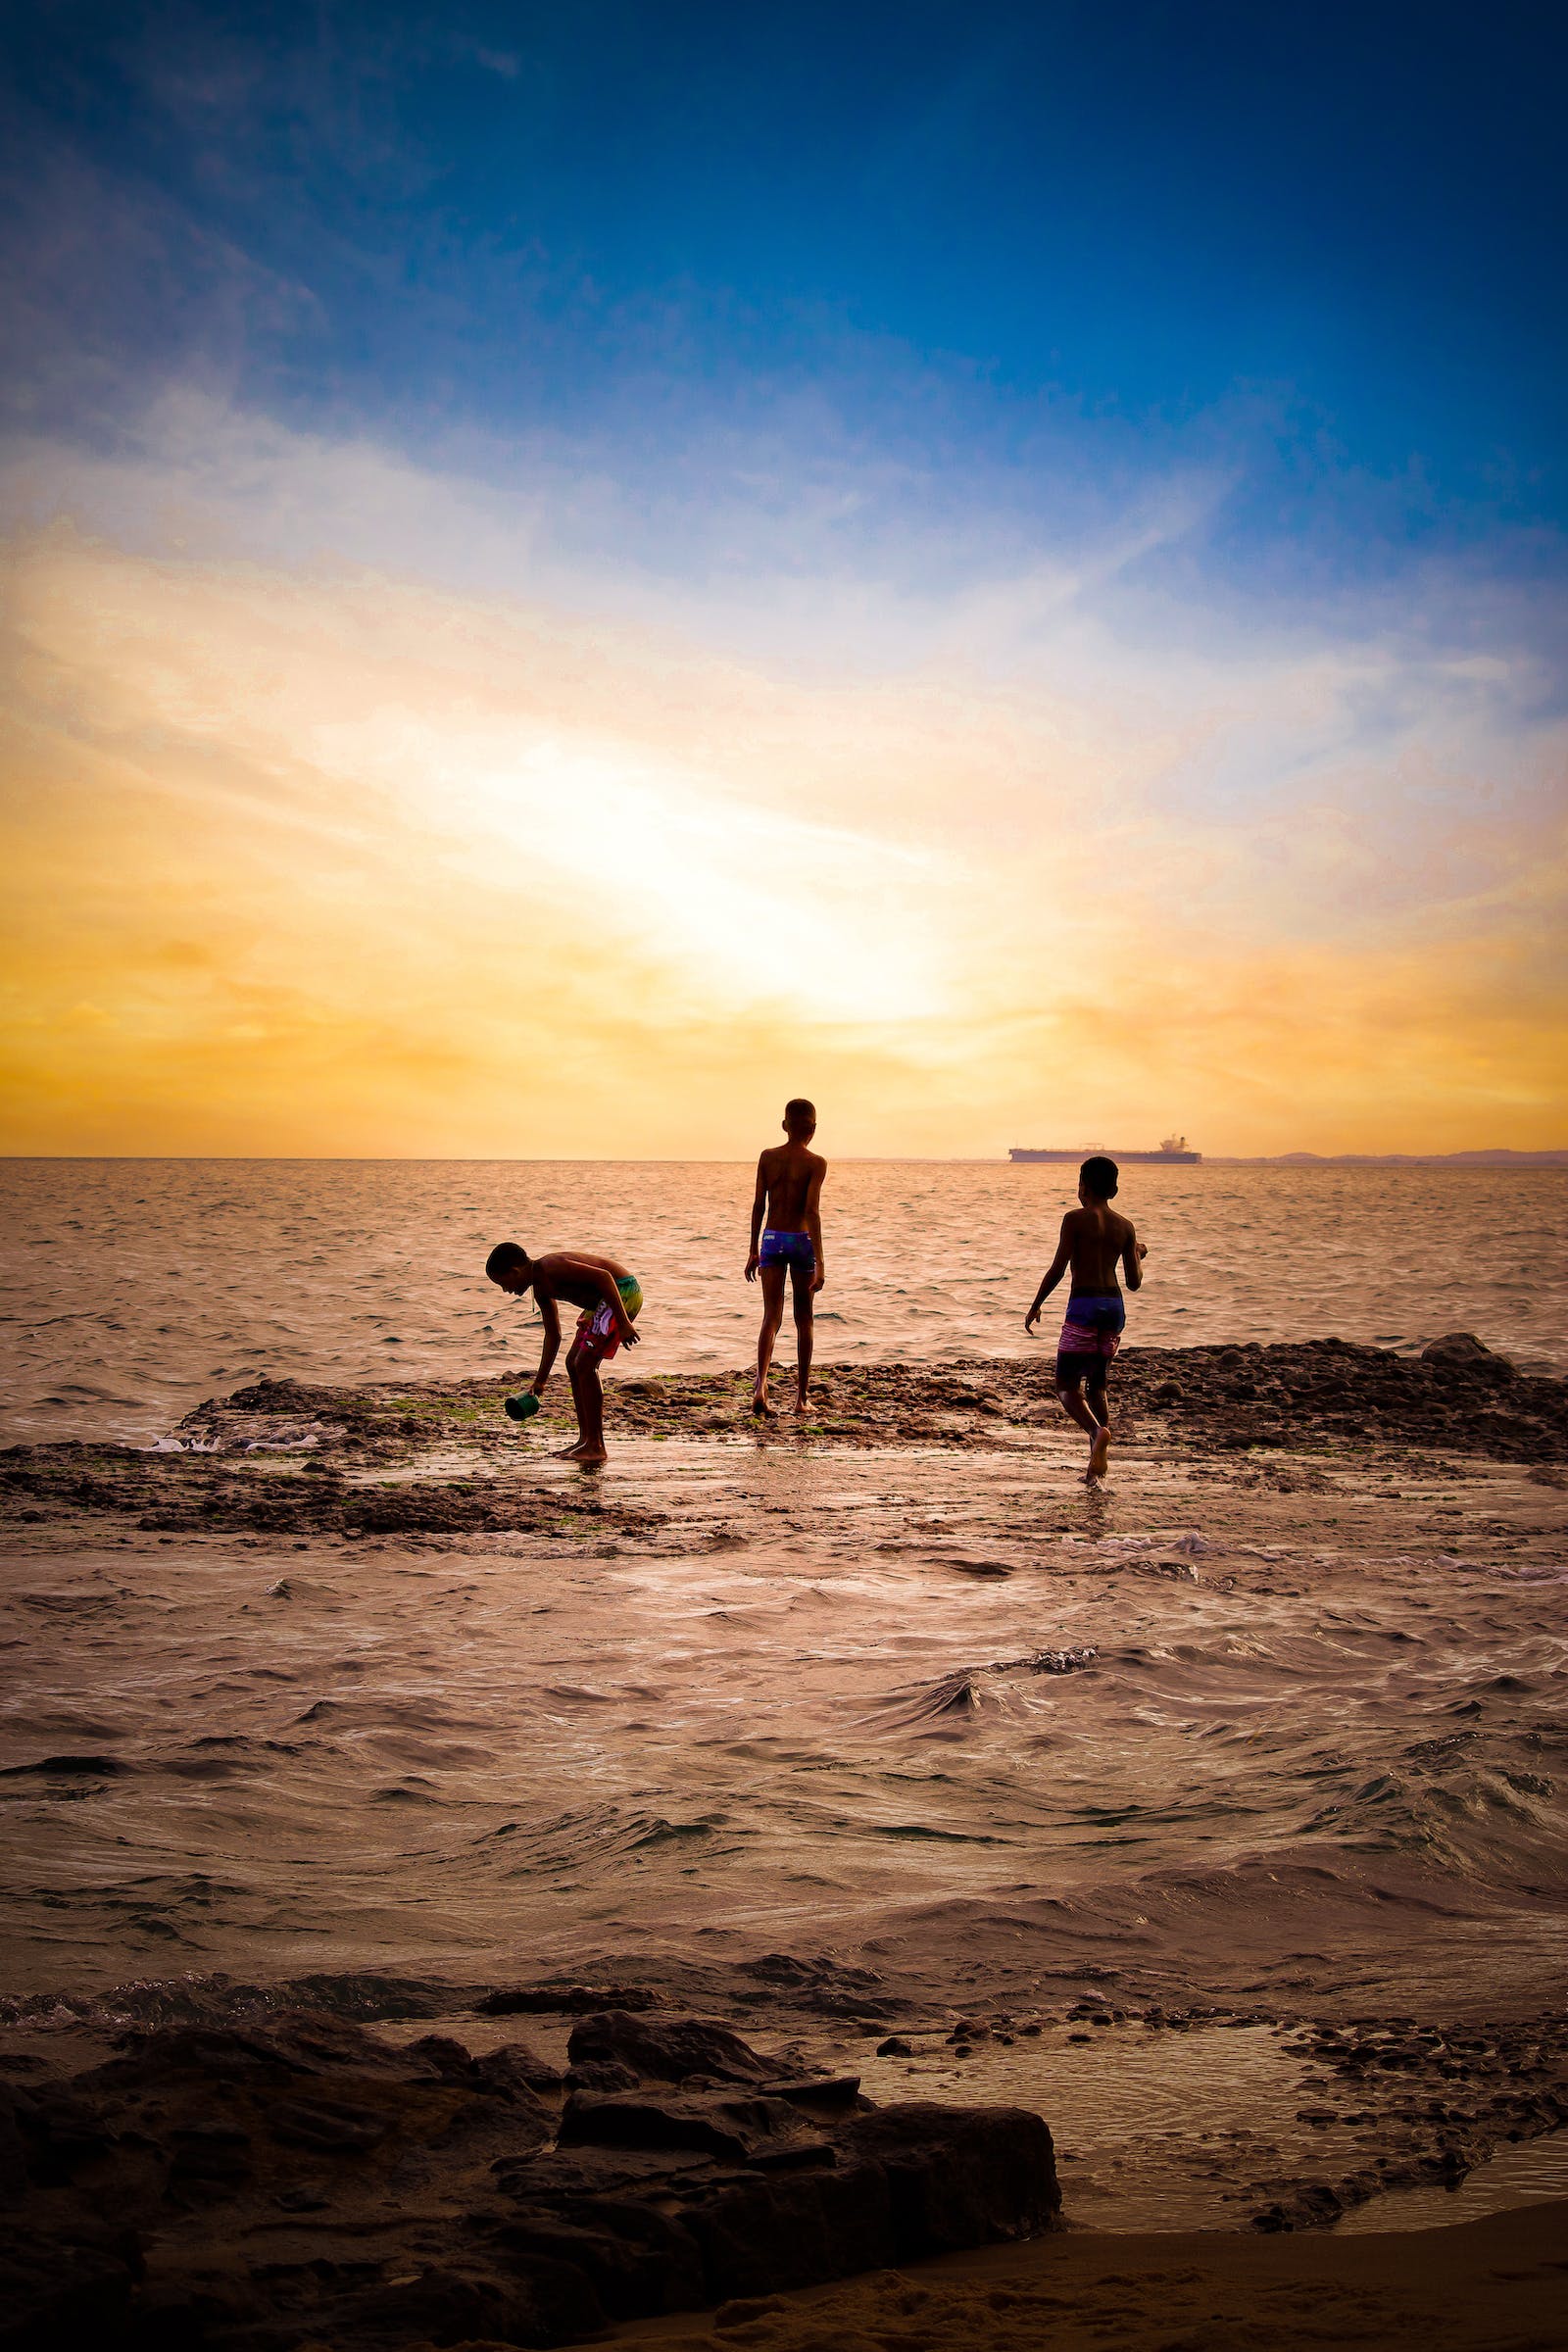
(1172, 1152)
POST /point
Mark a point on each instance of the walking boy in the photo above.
(610, 1300)
(1095, 1239)
(787, 1239)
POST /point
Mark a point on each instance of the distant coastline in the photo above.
(1494, 1157)
(1387, 1159)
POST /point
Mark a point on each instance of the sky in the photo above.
(572, 573)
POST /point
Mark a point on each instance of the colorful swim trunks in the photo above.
(794, 1249)
(598, 1339)
(1090, 1336)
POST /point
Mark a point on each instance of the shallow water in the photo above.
(946, 1713)
(810, 1702)
(131, 1290)
(1532, 2174)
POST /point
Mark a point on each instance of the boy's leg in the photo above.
(587, 1396)
(1100, 1406)
(1092, 1417)
(1069, 1392)
(771, 1279)
(804, 1332)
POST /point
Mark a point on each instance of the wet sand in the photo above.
(1492, 2286)
(1216, 1816)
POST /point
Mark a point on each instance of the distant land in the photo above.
(1387, 1159)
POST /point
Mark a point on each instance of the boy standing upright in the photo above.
(1095, 1240)
(787, 1239)
(609, 1300)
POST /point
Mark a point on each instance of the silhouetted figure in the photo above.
(787, 1240)
(1095, 1239)
(610, 1300)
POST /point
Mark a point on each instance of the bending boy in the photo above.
(787, 1240)
(1095, 1240)
(610, 1300)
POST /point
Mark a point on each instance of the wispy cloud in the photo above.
(345, 790)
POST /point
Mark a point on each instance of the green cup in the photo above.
(524, 1407)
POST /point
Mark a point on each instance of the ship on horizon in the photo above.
(1172, 1152)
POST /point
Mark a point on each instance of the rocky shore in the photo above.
(374, 1610)
(297, 2178)
(282, 1459)
(268, 2173)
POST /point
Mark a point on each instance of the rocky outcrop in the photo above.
(249, 2189)
(279, 1460)
(1459, 1347)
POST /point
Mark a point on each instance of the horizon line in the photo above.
(1542, 1154)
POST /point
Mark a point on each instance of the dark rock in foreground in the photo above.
(255, 2189)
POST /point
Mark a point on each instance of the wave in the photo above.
(969, 1690)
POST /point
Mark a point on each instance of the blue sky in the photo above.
(1324, 243)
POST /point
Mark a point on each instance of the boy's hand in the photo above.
(816, 1282)
(1032, 1317)
(752, 1264)
(630, 1335)
(1142, 1250)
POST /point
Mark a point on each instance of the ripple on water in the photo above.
(271, 1270)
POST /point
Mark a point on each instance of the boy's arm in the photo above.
(1133, 1254)
(1053, 1273)
(550, 1316)
(814, 1224)
(759, 1203)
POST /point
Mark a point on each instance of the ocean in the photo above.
(1252, 1734)
(132, 1289)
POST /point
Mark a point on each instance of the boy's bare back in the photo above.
(786, 1174)
(1100, 1243)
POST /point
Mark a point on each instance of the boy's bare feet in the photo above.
(590, 1457)
(761, 1406)
(801, 1409)
(1099, 1456)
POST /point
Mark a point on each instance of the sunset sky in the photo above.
(576, 572)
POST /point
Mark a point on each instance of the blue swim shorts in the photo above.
(792, 1249)
(1090, 1337)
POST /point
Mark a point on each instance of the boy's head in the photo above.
(1098, 1180)
(510, 1264)
(800, 1120)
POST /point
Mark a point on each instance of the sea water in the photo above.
(132, 1289)
(788, 1696)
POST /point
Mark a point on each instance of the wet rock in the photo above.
(207, 2157)
(531, 2300)
(960, 2176)
(65, 2287)
(1455, 1347)
(634, 2260)
(273, 2051)
(768, 2132)
(599, 2074)
(517, 2000)
(669, 2050)
(325, 2127)
(514, 2071)
(445, 2202)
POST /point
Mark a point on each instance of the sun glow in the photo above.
(310, 854)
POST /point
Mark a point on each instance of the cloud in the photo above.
(355, 806)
